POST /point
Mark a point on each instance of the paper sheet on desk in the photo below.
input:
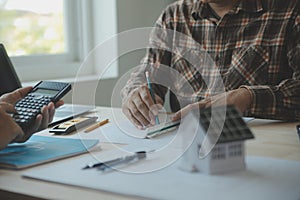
(265, 178)
(125, 133)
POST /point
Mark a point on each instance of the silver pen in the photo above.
(137, 156)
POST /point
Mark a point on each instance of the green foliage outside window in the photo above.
(28, 33)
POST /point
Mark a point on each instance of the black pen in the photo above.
(298, 130)
(118, 161)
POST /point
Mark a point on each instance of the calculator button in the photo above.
(38, 97)
(30, 114)
(35, 111)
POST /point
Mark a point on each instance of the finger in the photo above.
(16, 95)
(140, 105)
(59, 103)
(45, 118)
(146, 97)
(22, 92)
(51, 110)
(36, 125)
(7, 107)
(137, 113)
(132, 119)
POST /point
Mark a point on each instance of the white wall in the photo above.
(120, 15)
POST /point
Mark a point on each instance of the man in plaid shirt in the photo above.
(252, 46)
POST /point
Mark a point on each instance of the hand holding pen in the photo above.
(141, 107)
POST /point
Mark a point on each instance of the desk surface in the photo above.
(272, 139)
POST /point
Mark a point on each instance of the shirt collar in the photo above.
(201, 10)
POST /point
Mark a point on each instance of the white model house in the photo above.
(218, 145)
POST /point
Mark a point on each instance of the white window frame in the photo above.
(81, 19)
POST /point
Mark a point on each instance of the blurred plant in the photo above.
(28, 33)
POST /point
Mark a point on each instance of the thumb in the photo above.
(7, 107)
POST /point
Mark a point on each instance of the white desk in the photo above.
(273, 139)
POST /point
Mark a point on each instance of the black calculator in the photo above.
(42, 94)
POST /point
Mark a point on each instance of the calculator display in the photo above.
(45, 92)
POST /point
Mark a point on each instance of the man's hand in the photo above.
(241, 98)
(140, 108)
(9, 130)
(42, 120)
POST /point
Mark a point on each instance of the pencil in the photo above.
(152, 94)
(97, 125)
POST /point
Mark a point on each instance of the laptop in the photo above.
(9, 81)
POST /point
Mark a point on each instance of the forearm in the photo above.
(276, 102)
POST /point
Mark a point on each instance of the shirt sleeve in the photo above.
(281, 101)
(158, 54)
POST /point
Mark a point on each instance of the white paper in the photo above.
(125, 133)
(265, 178)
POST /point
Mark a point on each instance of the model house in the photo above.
(218, 145)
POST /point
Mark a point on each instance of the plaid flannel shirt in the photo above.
(256, 45)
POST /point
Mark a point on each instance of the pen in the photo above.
(152, 95)
(298, 130)
(162, 130)
(118, 161)
(97, 125)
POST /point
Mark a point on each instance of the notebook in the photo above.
(41, 149)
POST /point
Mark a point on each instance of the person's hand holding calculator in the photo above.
(33, 108)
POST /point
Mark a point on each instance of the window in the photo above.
(31, 28)
(49, 39)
